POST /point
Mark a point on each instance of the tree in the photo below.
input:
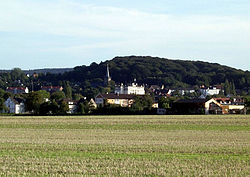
(77, 96)
(57, 96)
(233, 89)
(227, 88)
(247, 103)
(67, 89)
(54, 107)
(18, 75)
(45, 108)
(34, 101)
(83, 108)
(44, 94)
(142, 103)
(63, 108)
(2, 105)
(164, 103)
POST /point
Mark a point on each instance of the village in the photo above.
(203, 100)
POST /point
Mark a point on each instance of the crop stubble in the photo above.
(125, 146)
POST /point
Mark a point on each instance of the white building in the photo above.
(72, 106)
(186, 91)
(130, 89)
(15, 106)
(210, 91)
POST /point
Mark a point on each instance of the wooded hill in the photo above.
(158, 71)
(147, 70)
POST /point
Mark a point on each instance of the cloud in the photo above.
(124, 30)
(78, 19)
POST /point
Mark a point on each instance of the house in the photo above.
(213, 90)
(134, 88)
(184, 91)
(92, 104)
(17, 90)
(15, 106)
(158, 91)
(231, 105)
(154, 88)
(72, 106)
(52, 88)
(124, 100)
(181, 91)
(196, 106)
(155, 105)
(208, 106)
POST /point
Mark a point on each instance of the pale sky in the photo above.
(68, 33)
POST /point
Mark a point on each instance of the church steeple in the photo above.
(107, 78)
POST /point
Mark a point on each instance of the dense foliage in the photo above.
(155, 71)
(147, 70)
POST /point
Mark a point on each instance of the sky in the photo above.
(67, 33)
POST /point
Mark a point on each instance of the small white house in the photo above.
(15, 106)
(72, 106)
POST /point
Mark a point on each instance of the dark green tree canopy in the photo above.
(155, 71)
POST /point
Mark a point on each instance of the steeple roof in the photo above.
(107, 73)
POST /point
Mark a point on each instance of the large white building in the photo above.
(130, 89)
(215, 90)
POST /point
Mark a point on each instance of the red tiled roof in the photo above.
(222, 99)
(16, 88)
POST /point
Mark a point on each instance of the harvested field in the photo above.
(125, 146)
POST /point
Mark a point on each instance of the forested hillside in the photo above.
(152, 70)
(146, 70)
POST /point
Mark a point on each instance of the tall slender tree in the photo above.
(227, 88)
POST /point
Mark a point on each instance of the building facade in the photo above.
(15, 106)
(214, 90)
(208, 106)
(130, 89)
(124, 100)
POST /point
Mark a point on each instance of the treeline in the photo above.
(88, 80)
(155, 71)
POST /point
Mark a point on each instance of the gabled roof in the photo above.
(16, 88)
(222, 99)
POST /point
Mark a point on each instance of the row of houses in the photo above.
(210, 106)
(124, 95)
(17, 105)
(20, 90)
(184, 106)
(204, 91)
